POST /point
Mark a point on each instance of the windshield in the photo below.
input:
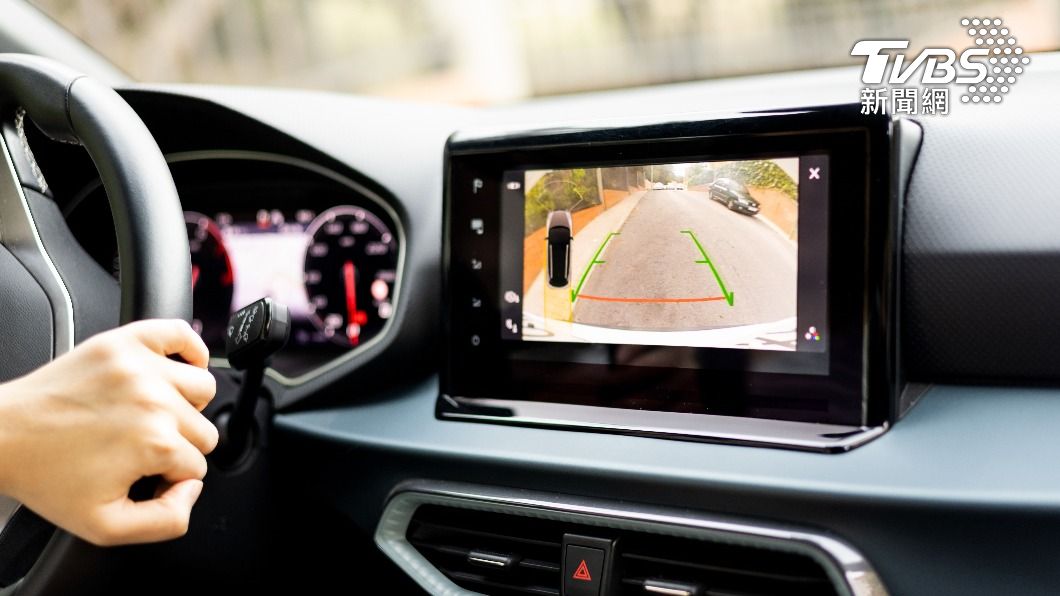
(489, 51)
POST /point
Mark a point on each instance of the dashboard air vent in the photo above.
(491, 553)
(653, 564)
(505, 554)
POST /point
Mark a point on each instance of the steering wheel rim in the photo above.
(152, 244)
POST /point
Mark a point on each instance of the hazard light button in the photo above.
(583, 571)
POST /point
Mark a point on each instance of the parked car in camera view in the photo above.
(733, 195)
(559, 238)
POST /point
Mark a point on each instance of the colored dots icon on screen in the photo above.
(812, 334)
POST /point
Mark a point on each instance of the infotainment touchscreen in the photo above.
(676, 279)
(699, 254)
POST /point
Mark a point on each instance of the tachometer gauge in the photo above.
(350, 269)
(211, 278)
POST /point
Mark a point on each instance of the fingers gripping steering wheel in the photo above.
(52, 294)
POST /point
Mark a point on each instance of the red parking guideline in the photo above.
(614, 299)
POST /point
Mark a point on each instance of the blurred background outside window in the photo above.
(490, 51)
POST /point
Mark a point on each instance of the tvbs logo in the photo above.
(940, 64)
(985, 71)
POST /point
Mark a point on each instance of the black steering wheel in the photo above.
(52, 294)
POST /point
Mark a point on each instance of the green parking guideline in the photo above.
(706, 261)
(595, 261)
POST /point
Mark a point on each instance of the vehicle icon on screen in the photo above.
(559, 239)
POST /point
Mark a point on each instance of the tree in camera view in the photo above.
(561, 190)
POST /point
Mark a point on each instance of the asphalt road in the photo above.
(650, 279)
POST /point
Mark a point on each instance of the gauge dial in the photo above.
(211, 278)
(350, 269)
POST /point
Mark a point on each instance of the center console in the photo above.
(722, 279)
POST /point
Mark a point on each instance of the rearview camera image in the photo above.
(688, 254)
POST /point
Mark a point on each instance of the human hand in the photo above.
(76, 433)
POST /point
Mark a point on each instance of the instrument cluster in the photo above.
(258, 224)
(335, 269)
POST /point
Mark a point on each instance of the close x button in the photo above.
(586, 565)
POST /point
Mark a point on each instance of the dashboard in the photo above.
(958, 496)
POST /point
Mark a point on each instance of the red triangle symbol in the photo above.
(582, 572)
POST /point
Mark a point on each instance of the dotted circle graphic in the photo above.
(1006, 60)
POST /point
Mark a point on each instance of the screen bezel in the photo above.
(860, 236)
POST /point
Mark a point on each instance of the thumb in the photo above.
(163, 518)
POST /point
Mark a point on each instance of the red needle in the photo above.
(194, 276)
(351, 300)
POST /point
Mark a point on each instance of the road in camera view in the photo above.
(655, 273)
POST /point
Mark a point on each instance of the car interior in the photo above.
(731, 336)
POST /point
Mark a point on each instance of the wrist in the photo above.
(10, 457)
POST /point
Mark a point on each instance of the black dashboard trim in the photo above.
(755, 432)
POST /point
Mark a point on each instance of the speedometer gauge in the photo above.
(350, 268)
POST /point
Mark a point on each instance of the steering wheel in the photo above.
(53, 294)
